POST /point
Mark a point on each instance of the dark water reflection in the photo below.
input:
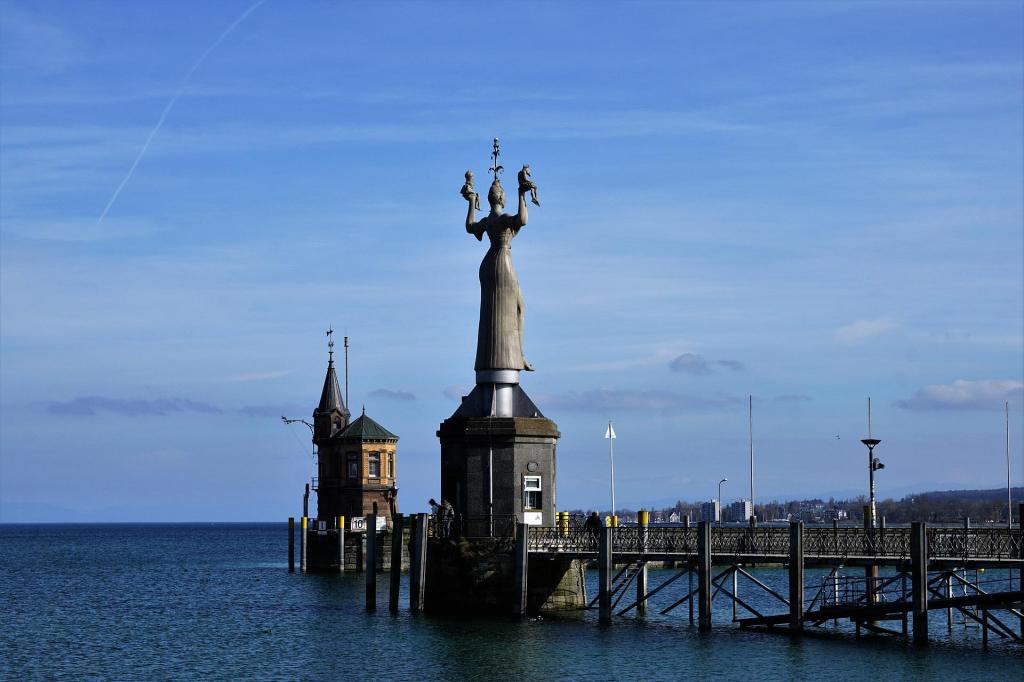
(215, 601)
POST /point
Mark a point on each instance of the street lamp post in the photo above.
(874, 464)
(720, 501)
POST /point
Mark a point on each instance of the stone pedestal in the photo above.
(477, 577)
(488, 464)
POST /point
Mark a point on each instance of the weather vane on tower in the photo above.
(330, 343)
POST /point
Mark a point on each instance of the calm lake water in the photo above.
(215, 601)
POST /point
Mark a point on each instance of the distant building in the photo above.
(741, 510)
(837, 514)
(710, 511)
(674, 517)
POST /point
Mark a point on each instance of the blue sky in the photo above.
(807, 202)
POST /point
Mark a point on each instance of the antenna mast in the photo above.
(346, 372)
(750, 436)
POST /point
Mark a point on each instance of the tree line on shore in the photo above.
(945, 506)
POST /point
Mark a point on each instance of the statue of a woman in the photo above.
(500, 338)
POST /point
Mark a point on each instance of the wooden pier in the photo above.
(928, 562)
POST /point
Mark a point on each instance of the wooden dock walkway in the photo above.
(926, 562)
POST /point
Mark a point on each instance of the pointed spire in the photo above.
(330, 397)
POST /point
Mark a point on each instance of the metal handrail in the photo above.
(887, 543)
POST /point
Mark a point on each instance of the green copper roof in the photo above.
(365, 428)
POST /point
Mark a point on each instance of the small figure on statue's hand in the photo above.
(526, 184)
(468, 194)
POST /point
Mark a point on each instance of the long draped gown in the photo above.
(500, 336)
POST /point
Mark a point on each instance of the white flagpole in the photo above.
(610, 435)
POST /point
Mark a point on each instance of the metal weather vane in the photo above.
(330, 343)
(495, 168)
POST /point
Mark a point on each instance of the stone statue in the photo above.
(500, 336)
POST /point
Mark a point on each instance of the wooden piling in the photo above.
(604, 575)
(371, 560)
(919, 580)
(522, 559)
(302, 544)
(796, 575)
(341, 544)
(395, 577)
(704, 576)
(735, 591)
(418, 563)
(689, 589)
(291, 544)
(643, 520)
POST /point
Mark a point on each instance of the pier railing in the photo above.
(990, 544)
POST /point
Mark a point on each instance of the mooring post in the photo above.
(735, 591)
(689, 588)
(643, 519)
(604, 575)
(395, 577)
(371, 560)
(704, 576)
(291, 544)
(522, 559)
(341, 544)
(949, 609)
(919, 580)
(418, 563)
(796, 575)
(302, 544)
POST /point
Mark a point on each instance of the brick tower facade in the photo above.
(356, 462)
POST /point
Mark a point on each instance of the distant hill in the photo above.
(993, 495)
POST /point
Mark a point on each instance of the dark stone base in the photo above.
(484, 461)
(322, 552)
(476, 577)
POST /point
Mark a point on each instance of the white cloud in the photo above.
(965, 395)
(863, 329)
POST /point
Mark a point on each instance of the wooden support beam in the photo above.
(604, 575)
(341, 544)
(371, 560)
(641, 589)
(522, 559)
(395, 577)
(302, 544)
(291, 544)
(919, 580)
(704, 576)
(418, 563)
(796, 575)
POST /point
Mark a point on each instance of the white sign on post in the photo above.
(358, 524)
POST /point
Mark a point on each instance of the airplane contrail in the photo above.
(174, 98)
